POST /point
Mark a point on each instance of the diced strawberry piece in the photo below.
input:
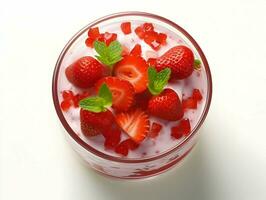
(151, 61)
(89, 42)
(130, 144)
(65, 105)
(161, 38)
(94, 33)
(135, 123)
(182, 129)
(140, 32)
(155, 130)
(189, 103)
(148, 27)
(67, 95)
(122, 92)
(126, 27)
(196, 95)
(112, 138)
(109, 37)
(122, 149)
(150, 37)
(136, 51)
(155, 46)
(133, 69)
(79, 97)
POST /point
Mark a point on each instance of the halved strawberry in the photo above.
(135, 123)
(122, 92)
(133, 69)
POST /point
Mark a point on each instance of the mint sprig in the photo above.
(98, 103)
(197, 64)
(158, 80)
(108, 55)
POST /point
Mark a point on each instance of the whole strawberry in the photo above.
(180, 59)
(165, 103)
(84, 72)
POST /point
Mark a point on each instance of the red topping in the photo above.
(126, 27)
(136, 51)
(140, 32)
(65, 105)
(133, 69)
(107, 37)
(122, 92)
(189, 103)
(196, 95)
(130, 144)
(148, 27)
(94, 33)
(161, 38)
(112, 138)
(122, 149)
(150, 37)
(182, 129)
(151, 61)
(89, 42)
(155, 130)
(67, 94)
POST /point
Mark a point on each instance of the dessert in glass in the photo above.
(132, 90)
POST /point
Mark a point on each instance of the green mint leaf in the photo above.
(158, 80)
(108, 55)
(93, 104)
(106, 94)
(197, 64)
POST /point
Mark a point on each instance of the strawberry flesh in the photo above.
(126, 28)
(189, 103)
(182, 129)
(136, 51)
(196, 95)
(155, 130)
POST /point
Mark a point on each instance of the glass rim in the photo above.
(121, 159)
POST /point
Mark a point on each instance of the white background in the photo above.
(229, 161)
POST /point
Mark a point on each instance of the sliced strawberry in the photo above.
(150, 37)
(126, 27)
(94, 33)
(135, 123)
(196, 95)
(148, 27)
(136, 51)
(122, 92)
(107, 37)
(189, 103)
(155, 130)
(133, 69)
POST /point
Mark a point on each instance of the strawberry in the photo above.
(196, 95)
(122, 92)
(189, 103)
(180, 59)
(94, 33)
(93, 123)
(133, 69)
(112, 138)
(166, 105)
(155, 130)
(135, 123)
(126, 28)
(136, 51)
(182, 129)
(142, 99)
(84, 72)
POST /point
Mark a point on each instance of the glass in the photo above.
(129, 168)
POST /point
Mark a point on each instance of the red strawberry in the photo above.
(112, 138)
(196, 95)
(93, 123)
(84, 72)
(142, 99)
(122, 149)
(130, 144)
(136, 51)
(126, 27)
(94, 33)
(180, 59)
(166, 105)
(155, 130)
(189, 103)
(135, 123)
(182, 129)
(133, 69)
(161, 38)
(122, 92)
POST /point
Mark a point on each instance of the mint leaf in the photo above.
(158, 80)
(98, 103)
(93, 104)
(197, 64)
(106, 94)
(108, 55)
